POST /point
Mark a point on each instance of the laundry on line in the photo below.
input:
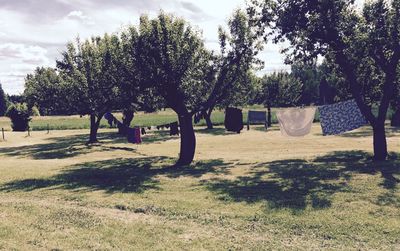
(296, 122)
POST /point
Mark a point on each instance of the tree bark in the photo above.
(207, 117)
(396, 118)
(380, 144)
(269, 115)
(188, 140)
(378, 124)
(94, 127)
(127, 117)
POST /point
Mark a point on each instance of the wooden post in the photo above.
(29, 131)
(2, 132)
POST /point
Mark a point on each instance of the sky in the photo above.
(34, 32)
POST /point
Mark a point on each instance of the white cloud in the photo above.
(26, 53)
(79, 16)
(34, 32)
(16, 60)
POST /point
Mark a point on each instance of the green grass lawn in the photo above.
(253, 191)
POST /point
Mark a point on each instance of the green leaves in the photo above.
(170, 54)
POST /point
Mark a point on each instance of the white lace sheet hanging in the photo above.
(296, 122)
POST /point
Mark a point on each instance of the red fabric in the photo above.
(138, 138)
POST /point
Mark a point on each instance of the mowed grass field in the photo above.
(251, 191)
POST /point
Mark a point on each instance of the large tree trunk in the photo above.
(188, 140)
(380, 144)
(378, 124)
(207, 117)
(127, 117)
(94, 127)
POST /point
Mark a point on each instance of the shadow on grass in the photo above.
(156, 136)
(297, 183)
(294, 184)
(75, 145)
(273, 128)
(117, 175)
(220, 131)
(57, 148)
(216, 131)
(367, 132)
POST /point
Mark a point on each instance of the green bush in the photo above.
(20, 117)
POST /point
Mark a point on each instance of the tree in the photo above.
(396, 105)
(133, 95)
(310, 77)
(46, 89)
(90, 69)
(171, 54)
(174, 60)
(16, 98)
(240, 93)
(358, 42)
(128, 91)
(20, 116)
(3, 101)
(335, 79)
(279, 89)
(233, 67)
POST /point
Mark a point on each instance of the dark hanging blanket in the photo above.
(233, 120)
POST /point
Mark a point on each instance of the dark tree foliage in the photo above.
(16, 98)
(132, 94)
(396, 103)
(20, 117)
(46, 90)
(310, 77)
(3, 101)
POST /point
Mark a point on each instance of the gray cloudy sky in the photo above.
(33, 32)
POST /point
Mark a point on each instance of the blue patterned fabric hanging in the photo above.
(341, 117)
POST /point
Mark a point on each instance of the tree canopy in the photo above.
(47, 90)
(3, 101)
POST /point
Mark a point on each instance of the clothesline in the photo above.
(335, 119)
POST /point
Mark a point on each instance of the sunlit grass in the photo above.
(253, 191)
